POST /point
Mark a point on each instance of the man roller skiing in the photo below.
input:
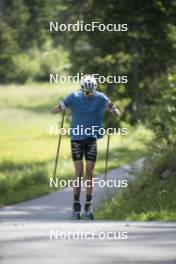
(87, 108)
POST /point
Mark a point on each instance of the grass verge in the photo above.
(151, 196)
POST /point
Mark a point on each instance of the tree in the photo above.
(144, 53)
(13, 21)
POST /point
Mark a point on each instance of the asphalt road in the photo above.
(40, 231)
(30, 242)
(58, 205)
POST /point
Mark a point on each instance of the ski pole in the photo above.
(107, 153)
(58, 146)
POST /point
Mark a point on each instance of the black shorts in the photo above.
(86, 147)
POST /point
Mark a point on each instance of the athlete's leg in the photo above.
(89, 174)
(88, 203)
(90, 154)
(77, 156)
(79, 170)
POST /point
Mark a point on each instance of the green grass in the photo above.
(149, 197)
(28, 151)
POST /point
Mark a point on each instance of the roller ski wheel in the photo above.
(76, 210)
(89, 215)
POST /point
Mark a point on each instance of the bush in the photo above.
(162, 116)
(53, 60)
(37, 64)
(40, 176)
(151, 196)
(27, 66)
(4, 186)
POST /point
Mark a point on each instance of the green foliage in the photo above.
(4, 186)
(37, 64)
(53, 60)
(8, 48)
(28, 51)
(17, 16)
(152, 194)
(150, 197)
(27, 66)
(13, 28)
(144, 53)
(161, 117)
(41, 12)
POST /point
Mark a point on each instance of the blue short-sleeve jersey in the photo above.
(87, 112)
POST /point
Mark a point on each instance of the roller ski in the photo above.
(89, 211)
(76, 210)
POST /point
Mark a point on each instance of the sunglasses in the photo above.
(87, 93)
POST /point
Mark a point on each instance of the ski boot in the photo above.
(89, 211)
(76, 210)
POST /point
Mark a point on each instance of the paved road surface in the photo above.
(29, 243)
(26, 230)
(58, 205)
